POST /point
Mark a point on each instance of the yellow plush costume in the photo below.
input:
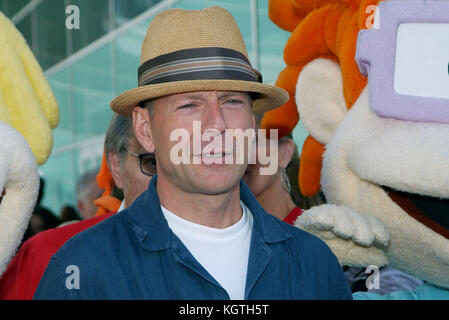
(28, 112)
(26, 101)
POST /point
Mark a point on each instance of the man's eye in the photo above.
(186, 106)
(234, 101)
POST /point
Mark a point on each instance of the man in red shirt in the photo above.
(24, 272)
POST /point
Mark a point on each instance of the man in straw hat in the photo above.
(197, 232)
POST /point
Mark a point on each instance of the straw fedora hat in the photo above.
(196, 50)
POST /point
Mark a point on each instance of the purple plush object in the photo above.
(376, 54)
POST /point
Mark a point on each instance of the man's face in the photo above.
(127, 174)
(204, 170)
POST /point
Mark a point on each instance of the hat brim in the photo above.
(269, 96)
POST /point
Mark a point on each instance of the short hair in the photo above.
(149, 105)
(117, 137)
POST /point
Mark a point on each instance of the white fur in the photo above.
(408, 156)
(321, 111)
(345, 223)
(19, 177)
(363, 152)
(337, 225)
(368, 151)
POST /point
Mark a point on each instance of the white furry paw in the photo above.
(355, 238)
(346, 223)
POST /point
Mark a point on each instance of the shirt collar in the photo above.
(153, 232)
(269, 227)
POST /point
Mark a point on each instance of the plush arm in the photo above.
(19, 180)
(355, 238)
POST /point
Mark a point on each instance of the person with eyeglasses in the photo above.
(124, 159)
(130, 166)
(197, 232)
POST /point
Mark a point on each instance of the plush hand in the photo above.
(26, 100)
(355, 238)
(19, 186)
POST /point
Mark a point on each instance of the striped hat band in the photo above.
(197, 64)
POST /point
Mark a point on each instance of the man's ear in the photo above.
(115, 168)
(286, 150)
(142, 129)
(320, 100)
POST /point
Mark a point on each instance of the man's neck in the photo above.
(212, 210)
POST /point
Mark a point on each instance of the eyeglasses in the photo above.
(147, 162)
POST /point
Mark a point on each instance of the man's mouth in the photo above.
(430, 211)
(214, 155)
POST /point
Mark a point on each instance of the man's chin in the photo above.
(220, 189)
(218, 182)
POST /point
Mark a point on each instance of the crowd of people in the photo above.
(158, 230)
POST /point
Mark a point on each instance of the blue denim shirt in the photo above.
(135, 255)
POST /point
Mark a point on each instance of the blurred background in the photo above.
(89, 66)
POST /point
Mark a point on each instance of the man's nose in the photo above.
(213, 118)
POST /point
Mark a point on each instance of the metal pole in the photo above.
(19, 16)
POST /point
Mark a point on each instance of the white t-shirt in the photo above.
(222, 252)
(122, 206)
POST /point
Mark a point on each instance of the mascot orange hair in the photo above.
(320, 29)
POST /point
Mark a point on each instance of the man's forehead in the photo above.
(204, 94)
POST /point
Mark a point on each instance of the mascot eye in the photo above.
(422, 56)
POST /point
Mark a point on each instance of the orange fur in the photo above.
(106, 203)
(285, 15)
(324, 29)
(310, 167)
